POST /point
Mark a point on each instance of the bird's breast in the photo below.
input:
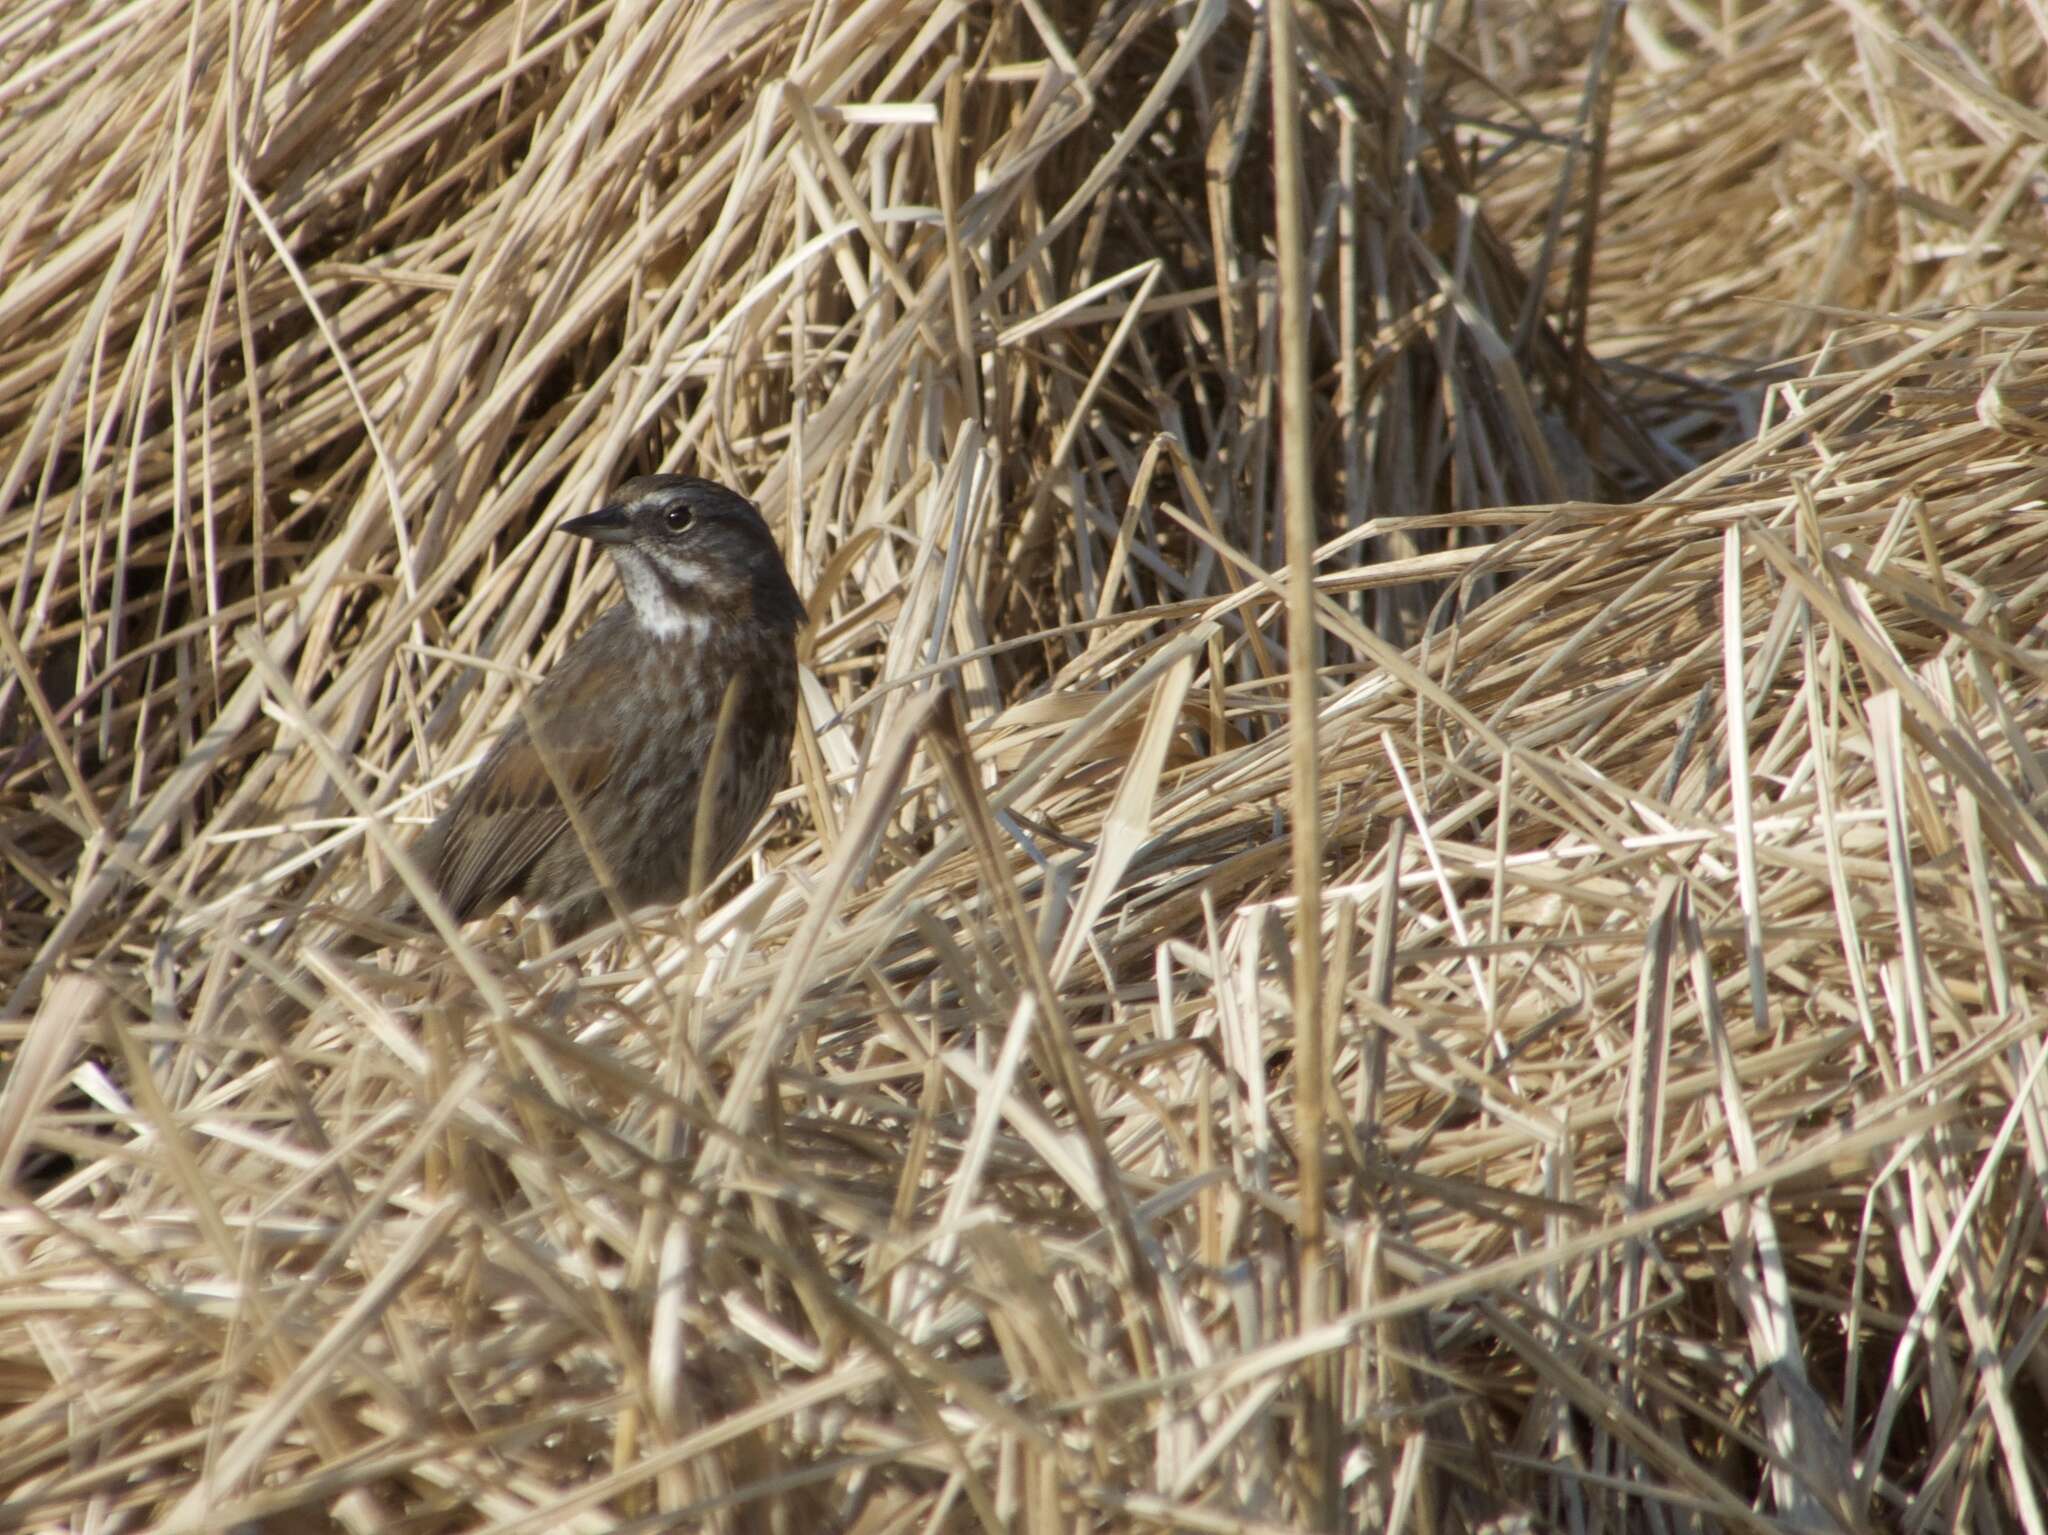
(695, 671)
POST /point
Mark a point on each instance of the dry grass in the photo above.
(1683, 922)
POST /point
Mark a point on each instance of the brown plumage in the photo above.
(626, 723)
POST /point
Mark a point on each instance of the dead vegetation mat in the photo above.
(1679, 447)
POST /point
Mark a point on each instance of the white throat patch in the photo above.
(654, 601)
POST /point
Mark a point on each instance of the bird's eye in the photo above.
(678, 518)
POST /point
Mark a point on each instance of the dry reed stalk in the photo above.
(1684, 903)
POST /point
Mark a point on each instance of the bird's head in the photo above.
(690, 552)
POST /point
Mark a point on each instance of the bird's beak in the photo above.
(606, 525)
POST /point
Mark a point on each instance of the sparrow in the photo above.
(627, 723)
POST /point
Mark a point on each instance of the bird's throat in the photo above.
(665, 609)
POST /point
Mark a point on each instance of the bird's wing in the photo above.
(507, 815)
(510, 811)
